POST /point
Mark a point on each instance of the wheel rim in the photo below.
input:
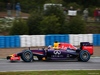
(85, 55)
(27, 55)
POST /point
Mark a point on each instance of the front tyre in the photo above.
(84, 56)
(27, 56)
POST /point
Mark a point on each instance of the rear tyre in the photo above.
(27, 56)
(84, 56)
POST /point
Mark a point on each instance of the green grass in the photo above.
(72, 72)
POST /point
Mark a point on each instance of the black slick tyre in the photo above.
(27, 56)
(84, 56)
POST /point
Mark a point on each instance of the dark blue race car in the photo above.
(82, 54)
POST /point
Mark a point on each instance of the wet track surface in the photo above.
(93, 63)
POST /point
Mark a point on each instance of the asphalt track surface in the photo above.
(92, 64)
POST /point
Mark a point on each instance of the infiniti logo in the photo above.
(57, 52)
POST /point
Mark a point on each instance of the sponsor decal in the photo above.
(87, 47)
(70, 51)
(57, 52)
(57, 55)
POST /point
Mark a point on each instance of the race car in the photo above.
(65, 51)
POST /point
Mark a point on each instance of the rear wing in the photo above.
(87, 46)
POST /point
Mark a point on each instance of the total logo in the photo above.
(57, 52)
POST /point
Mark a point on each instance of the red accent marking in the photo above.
(89, 49)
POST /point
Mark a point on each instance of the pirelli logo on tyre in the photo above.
(57, 52)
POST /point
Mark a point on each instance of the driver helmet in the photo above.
(49, 46)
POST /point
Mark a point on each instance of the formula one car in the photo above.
(65, 51)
